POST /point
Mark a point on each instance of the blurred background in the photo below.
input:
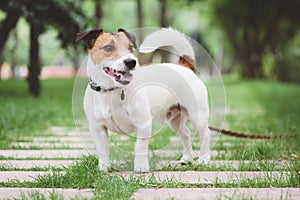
(252, 39)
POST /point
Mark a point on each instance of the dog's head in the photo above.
(111, 52)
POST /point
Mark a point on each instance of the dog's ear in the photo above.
(89, 37)
(130, 36)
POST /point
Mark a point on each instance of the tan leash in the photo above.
(250, 136)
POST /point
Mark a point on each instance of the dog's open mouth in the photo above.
(123, 77)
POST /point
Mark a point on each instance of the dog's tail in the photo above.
(184, 53)
(168, 37)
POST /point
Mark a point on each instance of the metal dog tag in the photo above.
(122, 95)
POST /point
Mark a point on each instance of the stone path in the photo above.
(15, 193)
(64, 147)
(46, 154)
(193, 177)
(21, 175)
(60, 150)
(217, 193)
(29, 164)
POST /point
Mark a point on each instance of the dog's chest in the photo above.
(115, 117)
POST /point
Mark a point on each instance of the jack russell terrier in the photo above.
(123, 97)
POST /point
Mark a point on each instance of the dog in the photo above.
(126, 98)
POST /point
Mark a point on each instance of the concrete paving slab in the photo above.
(42, 154)
(15, 193)
(53, 145)
(175, 153)
(235, 164)
(77, 153)
(193, 177)
(28, 164)
(63, 139)
(217, 193)
(66, 131)
(214, 144)
(22, 175)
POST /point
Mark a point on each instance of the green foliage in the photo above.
(65, 16)
(255, 28)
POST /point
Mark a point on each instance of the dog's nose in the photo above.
(130, 63)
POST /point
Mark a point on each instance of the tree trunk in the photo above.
(252, 68)
(34, 66)
(6, 26)
(220, 54)
(99, 13)
(163, 15)
(139, 13)
(75, 58)
(13, 53)
(251, 56)
(140, 35)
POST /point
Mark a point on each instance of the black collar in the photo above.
(99, 88)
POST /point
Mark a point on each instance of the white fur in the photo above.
(167, 37)
(155, 86)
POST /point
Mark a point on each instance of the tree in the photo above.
(139, 11)
(163, 13)
(40, 14)
(10, 21)
(98, 13)
(34, 65)
(254, 28)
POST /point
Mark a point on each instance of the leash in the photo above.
(250, 136)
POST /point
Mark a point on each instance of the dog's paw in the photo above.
(204, 159)
(141, 169)
(104, 167)
(141, 164)
(186, 160)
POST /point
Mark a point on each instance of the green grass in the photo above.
(255, 106)
(85, 174)
(38, 196)
(265, 107)
(22, 115)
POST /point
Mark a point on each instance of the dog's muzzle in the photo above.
(123, 77)
(130, 63)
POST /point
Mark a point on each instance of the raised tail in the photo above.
(167, 37)
(184, 53)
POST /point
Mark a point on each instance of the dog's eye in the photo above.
(109, 48)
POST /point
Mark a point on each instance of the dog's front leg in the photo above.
(100, 137)
(141, 162)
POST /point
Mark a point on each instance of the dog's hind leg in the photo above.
(200, 123)
(177, 124)
(205, 136)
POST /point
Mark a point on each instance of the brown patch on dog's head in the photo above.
(187, 61)
(107, 46)
(130, 36)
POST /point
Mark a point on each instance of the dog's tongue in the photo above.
(124, 77)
